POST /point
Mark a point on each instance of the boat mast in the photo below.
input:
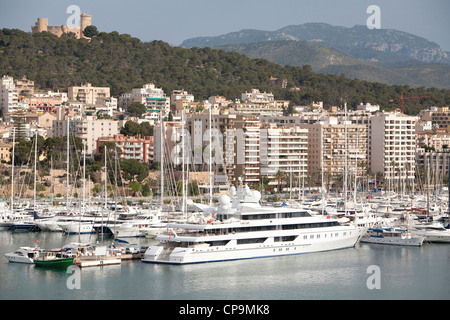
(182, 166)
(84, 173)
(106, 182)
(345, 159)
(67, 167)
(428, 186)
(35, 155)
(12, 173)
(210, 158)
(448, 212)
(161, 158)
(84, 190)
(321, 164)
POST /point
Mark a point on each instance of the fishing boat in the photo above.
(392, 236)
(240, 228)
(53, 259)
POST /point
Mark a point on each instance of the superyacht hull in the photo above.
(169, 253)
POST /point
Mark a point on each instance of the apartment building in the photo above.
(5, 154)
(44, 102)
(393, 145)
(333, 143)
(261, 103)
(181, 95)
(285, 150)
(436, 163)
(440, 118)
(436, 140)
(88, 94)
(24, 86)
(149, 95)
(87, 128)
(247, 163)
(139, 148)
(8, 95)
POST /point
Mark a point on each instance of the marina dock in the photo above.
(98, 261)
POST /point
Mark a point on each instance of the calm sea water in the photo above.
(404, 273)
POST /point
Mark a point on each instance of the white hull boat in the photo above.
(24, 255)
(77, 227)
(435, 233)
(243, 229)
(392, 236)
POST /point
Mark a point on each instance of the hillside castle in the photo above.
(42, 25)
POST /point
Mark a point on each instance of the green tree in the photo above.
(136, 109)
(146, 190)
(133, 170)
(136, 187)
(90, 31)
(146, 129)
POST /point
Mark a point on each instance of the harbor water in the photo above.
(365, 272)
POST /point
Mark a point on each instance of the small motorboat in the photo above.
(24, 255)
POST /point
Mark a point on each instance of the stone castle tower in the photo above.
(42, 25)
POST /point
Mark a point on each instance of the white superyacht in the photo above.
(240, 228)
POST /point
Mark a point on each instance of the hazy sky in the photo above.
(176, 20)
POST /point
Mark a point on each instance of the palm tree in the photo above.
(280, 177)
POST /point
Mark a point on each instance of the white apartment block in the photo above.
(285, 150)
(149, 95)
(88, 94)
(261, 103)
(247, 160)
(393, 145)
(257, 97)
(8, 95)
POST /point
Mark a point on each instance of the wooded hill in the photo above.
(122, 62)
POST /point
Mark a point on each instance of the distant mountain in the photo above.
(383, 55)
(330, 61)
(380, 46)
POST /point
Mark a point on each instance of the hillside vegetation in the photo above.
(123, 62)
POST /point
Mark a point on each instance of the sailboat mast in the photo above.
(345, 158)
(210, 158)
(428, 186)
(35, 167)
(161, 142)
(106, 182)
(12, 172)
(183, 162)
(321, 164)
(67, 167)
(84, 173)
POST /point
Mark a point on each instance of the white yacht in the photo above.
(240, 228)
(24, 255)
(392, 236)
(134, 227)
(432, 232)
(79, 226)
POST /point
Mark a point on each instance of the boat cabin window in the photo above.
(279, 215)
(253, 240)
